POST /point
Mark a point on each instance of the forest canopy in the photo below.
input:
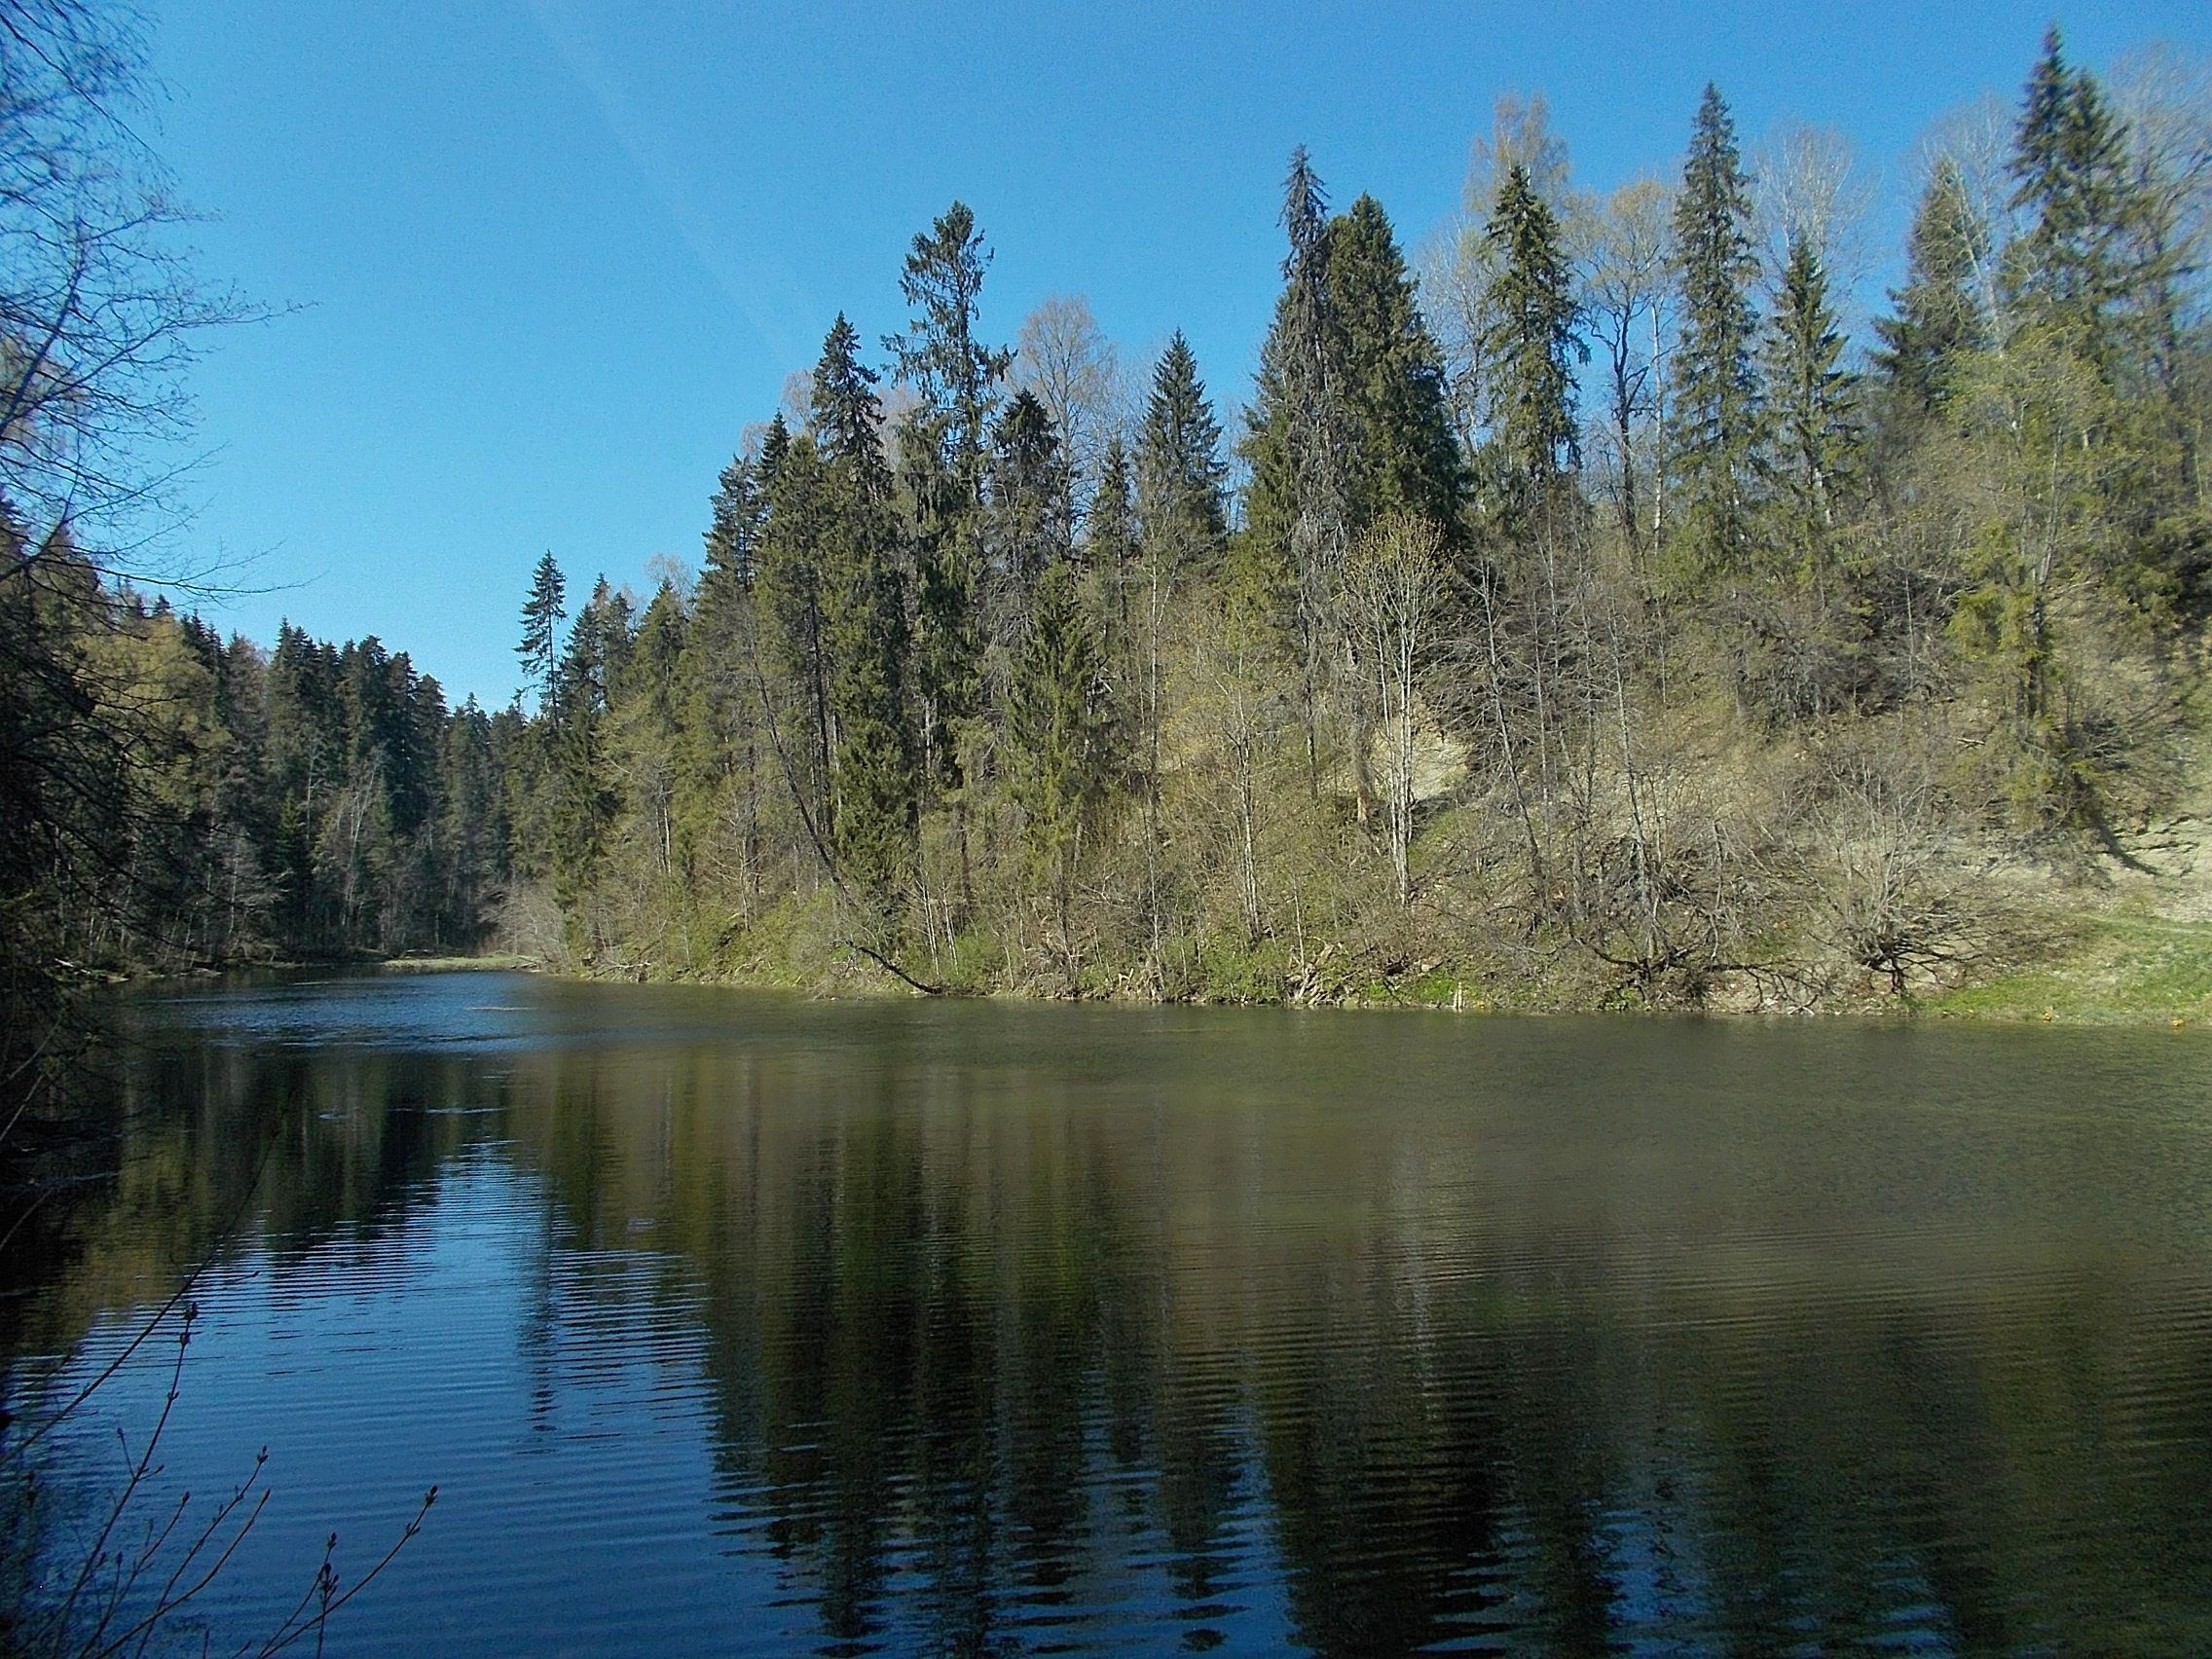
(1592, 609)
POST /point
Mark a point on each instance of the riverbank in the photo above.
(513, 960)
(2126, 968)
(2097, 956)
(2054, 929)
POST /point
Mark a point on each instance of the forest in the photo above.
(1584, 611)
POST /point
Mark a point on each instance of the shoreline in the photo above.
(2108, 981)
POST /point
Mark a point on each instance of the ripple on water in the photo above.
(730, 1323)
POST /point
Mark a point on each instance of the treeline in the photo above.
(177, 801)
(1591, 618)
(1617, 627)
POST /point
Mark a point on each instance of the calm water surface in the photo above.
(735, 1323)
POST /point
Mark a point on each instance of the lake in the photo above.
(738, 1323)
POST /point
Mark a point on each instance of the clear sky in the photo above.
(549, 257)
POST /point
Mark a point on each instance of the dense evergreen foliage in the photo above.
(210, 802)
(1643, 636)
(1739, 683)
(1715, 386)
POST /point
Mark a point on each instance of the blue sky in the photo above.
(549, 257)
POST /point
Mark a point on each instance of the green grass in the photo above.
(453, 964)
(2111, 970)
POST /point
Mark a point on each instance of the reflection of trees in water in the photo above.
(220, 1148)
(992, 1350)
(955, 1338)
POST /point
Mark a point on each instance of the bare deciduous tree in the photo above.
(1394, 591)
(1628, 282)
(1976, 138)
(99, 310)
(1064, 358)
(1808, 187)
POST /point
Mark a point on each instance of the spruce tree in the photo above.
(1056, 731)
(2072, 270)
(775, 445)
(2096, 278)
(1106, 559)
(790, 648)
(865, 641)
(1405, 454)
(583, 799)
(649, 685)
(1180, 521)
(1716, 411)
(1028, 496)
(845, 416)
(1529, 349)
(956, 375)
(1180, 507)
(1303, 450)
(942, 450)
(1304, 447)
(735, 526)
(1939, 313)
(1109, 532)
(542, 616)
(645, 706)
(1309, 361)
(1811, 404)
(720, 748)
(1267, 551)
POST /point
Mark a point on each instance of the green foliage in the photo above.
(955, 375)
(1405, 455)
(1940, 315)
(1180, 750)
(1529, 352)
(2073, 270)
(1302, 444)
(942, 453)
(1029, 528)
(543, 614)
(916, 721)
(1179, 466)
(863, 636)
(792, 659)
(1811, 407)
(1057, 733)
(1714, 429)
(176, 801)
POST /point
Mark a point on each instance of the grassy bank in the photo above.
(2127, 968)
(511, 961)
(2097, 960)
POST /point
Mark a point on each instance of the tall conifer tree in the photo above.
(2071, 270)
(873, 814)
(1405, 457)
(1811, 404)
(943, 447)
(542, 616)
(1715, 410)
(1056, 735)
(1302, 447)
(1028, 497)
(790, 644)
(1529, 348)
(1180, 507)
(1939, 312)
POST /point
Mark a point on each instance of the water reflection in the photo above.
(744, 1323)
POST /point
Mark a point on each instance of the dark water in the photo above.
(731, 1323)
